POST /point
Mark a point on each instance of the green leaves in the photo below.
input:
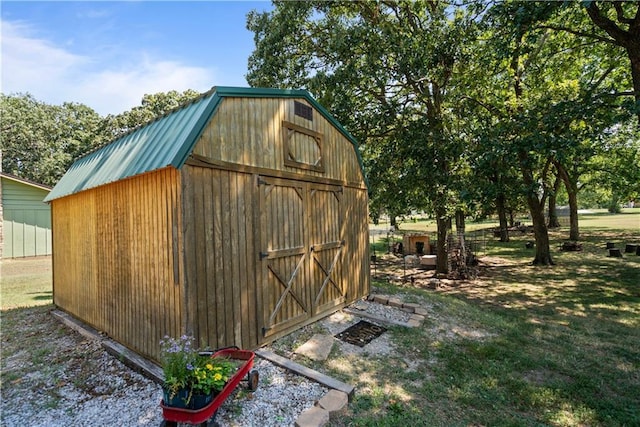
(39, 141)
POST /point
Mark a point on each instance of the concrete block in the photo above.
(410, 306)
(417, 318)
(421, 311)
(395, 302)
(335, 402)
(381, 299)
(313, 417)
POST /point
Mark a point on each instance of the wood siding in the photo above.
(250, 132)
(265, 255)
(117, 260)
(279, 212)
(220, 254)
(249, 240)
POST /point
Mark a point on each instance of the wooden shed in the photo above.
(25, 220)
(236, 218)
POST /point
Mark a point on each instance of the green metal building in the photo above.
(24, 217)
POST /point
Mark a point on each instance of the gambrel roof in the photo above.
(166, 141)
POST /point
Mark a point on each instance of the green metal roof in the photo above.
(166, 141)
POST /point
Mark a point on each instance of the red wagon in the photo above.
(206, 416)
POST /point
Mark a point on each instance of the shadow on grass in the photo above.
(566, 352)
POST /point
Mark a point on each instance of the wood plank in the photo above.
(188, 232)
(134, 360)
(235, 261)
(219, 260)
(211, 253)
(180, 284)
(149, 228)
(251, 262)
(197, 160)
(176, 249)
(260, 232)
(289, 364)
(227, 271)
(200, 224)
(243, 262)
(165, 268)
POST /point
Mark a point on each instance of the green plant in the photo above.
(185, 368)
(211, 374)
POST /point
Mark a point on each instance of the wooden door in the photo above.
(326, 247)
(284, 257)
(301, 225)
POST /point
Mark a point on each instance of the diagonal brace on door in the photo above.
(327, 274)
(287, 285)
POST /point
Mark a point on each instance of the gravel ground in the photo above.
(72, 381)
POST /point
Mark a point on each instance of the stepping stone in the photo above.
(335, 402)
(421, 311)
(317, 348)
(381, 299)
(395, 302)
(313, 417)
(410, 306)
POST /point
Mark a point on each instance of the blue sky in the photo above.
(107, 55)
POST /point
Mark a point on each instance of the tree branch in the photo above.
(490, 108)
(620, 36)
(620, 14)
(579, 33)
(601, 79)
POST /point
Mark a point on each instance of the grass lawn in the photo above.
(25, 282)
(519, 346)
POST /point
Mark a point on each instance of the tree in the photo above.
(386, 70)
(627, 14)
(559, 100)
(40, 141)
(151, 107)
(614, 169)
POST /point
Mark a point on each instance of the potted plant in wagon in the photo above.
(191, 378)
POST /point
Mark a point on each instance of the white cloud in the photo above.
(55, 75)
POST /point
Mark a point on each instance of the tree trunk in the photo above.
(553, 215)
(460, 224)
(572, 191)
(543, 252)
(502, 218)
(443, 225)
(536, 209)
(634, 57)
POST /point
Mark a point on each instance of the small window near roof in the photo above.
(303, 110)
(302, 147)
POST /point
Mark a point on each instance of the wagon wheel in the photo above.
(166, 423)
(253, 379)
